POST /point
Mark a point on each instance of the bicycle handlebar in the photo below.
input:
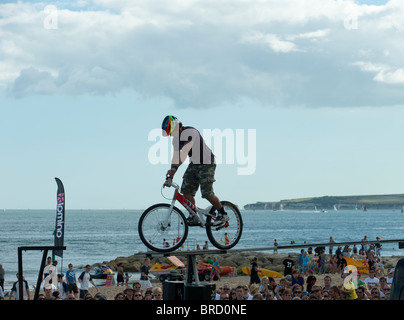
(169, 183)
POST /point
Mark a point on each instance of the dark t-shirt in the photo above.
(200, 153)
(254, 274)
(145, 270)
(288, 266)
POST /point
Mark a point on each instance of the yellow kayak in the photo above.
(263, 272)
(361, 265)
(159, 267)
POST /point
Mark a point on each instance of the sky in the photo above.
(305, 96)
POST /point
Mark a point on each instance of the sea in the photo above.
(95, 236)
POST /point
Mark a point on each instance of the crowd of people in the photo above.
(70, 286)
(298, 287)
(298, 283)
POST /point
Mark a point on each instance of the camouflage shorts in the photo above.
(199, 174)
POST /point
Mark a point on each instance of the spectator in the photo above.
(213, 271)
(138, 296)
(270, 295)
(288, 265)
(49, 292)
(310, 282)
(335, 293)
(375, 294)
(225, 288)
(386, 292)
(129, 293)
(71, 280)
(348, 287)
(254, 278)
(317, 291)
(144, 276)
(390, 276)
(327, 283)
(297, 279)
(119, 277)
(85, 279)
(16, 287)
(305, 263)
(71, 296)
(382, 284)
(240, 293)
(371, 280)
(298, 292)
(331, 246)
(2, 272)
(361, 293)
(127, 277)
(286, 294)
(322, 261)
(119, 296)
(300, 259)
(157, 294)
(62, 286)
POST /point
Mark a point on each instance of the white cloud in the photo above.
(310, 35)
(384, 73)
(271, 40)
(395, 77)
(204, 52)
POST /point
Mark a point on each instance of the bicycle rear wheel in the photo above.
(227, 236)
(161, 230)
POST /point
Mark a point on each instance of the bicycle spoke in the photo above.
(227, 235)
(160, 234)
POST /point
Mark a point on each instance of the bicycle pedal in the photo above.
(225, 225)
(193, 221)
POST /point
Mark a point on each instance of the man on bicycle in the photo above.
(187, 141)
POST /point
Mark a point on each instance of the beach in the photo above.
(269, 261)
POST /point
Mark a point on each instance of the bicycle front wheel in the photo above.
(161, 230)
(227, 236)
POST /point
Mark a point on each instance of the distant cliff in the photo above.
(390, 201)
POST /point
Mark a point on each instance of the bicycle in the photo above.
(164, 228)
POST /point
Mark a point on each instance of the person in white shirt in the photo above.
(63, 288)
(390, 276)
(85, 279)
(16, 287)
(371, 280)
